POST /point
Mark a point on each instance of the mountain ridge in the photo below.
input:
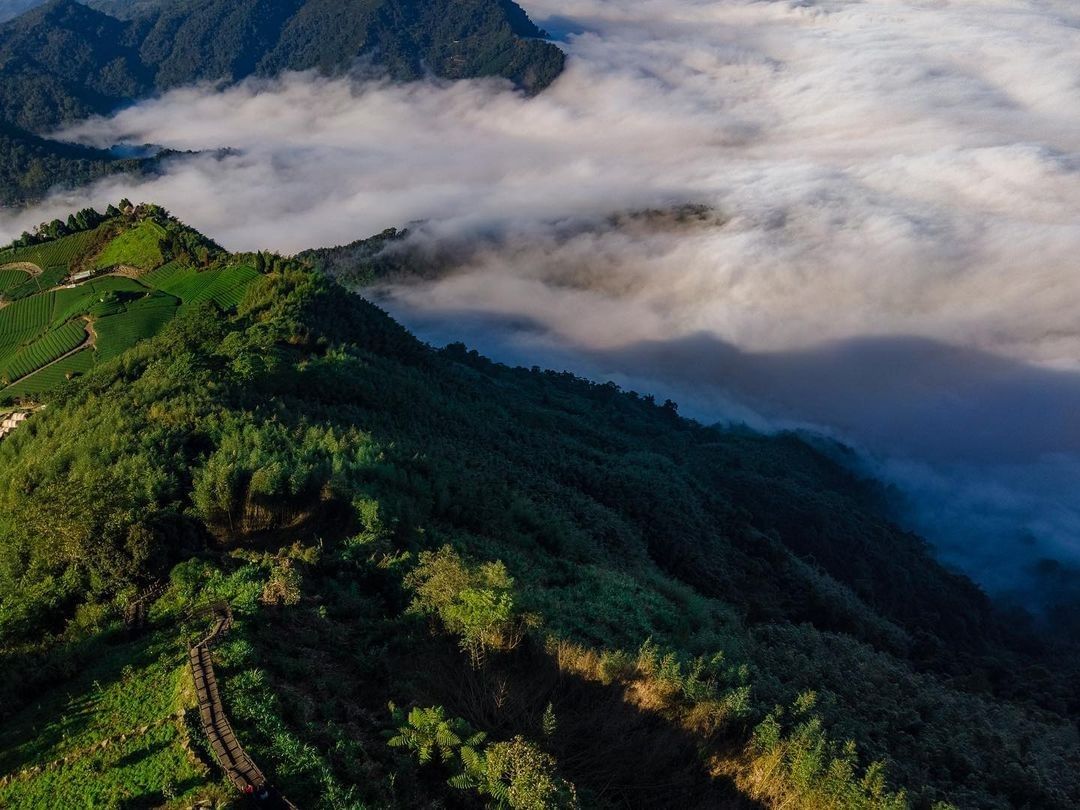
(349, 490)
(63, 61)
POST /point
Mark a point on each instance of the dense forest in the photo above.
(63, 61)
(460, 584)
(31, 165)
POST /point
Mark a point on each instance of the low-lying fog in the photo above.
(892, 254)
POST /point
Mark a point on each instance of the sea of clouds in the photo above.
(892, 254)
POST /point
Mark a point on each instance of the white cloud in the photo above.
(884, 168)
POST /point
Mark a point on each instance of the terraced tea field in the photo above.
(11, 278)
(48, 348)
(51, 376)
(225, 287)
(28, 316)
(141, 319)
(37, 283)
(51, 333)
(62, 253)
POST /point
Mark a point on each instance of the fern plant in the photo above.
(426, 732)
(515, 775)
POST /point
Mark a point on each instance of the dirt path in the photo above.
(91, 334)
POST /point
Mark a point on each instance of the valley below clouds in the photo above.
(889, 253)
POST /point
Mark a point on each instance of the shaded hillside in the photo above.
(30, 166)
(601, 602)
(63, 61)
(13, 8)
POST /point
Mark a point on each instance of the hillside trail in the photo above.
(241, 771)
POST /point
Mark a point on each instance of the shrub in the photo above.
(283, 587)
(475, 603)
(189, 577)
(516, 774)
(425, 732)
(803, 769)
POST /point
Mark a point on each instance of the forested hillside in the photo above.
(461, 584)
(63, 61)
(30, 165)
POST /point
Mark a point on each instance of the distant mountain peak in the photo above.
(63, 61)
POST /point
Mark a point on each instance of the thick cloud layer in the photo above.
(893, 256)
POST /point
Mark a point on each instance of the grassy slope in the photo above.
(131, 697)
(138, 247)
(317, 433)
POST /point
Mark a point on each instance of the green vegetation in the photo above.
(804, 769)
(73, 301)
(574, 595)
(186, 282)
(31, 166)
(120, 726)
(42, 324)
(60, 252)
(51, 377)
(225, 286)
(37, 284)
(26, 316)
(53, 345)
(12, 278)
(516, 774)
(229, 288)
(138, 247)
(48, 263)
(141, 319)
(476, 605)
(367, 261)
(170, 273)
(57, 243)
